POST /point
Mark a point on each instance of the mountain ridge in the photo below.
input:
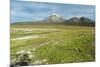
(82, 21)
(57, 19)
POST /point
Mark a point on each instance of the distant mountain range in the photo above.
(55, 18)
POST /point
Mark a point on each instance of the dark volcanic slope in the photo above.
(83, 21)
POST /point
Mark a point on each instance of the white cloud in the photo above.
(89, 2)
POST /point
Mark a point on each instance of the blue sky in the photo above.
(32, 11)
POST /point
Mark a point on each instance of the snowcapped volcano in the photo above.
(54, 14)
(54, 17)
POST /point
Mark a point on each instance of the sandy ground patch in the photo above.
(26, 37)
(32, 29)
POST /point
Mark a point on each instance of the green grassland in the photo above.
(54, 43)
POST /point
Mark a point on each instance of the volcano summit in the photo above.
(54, 17)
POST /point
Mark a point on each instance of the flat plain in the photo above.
(53, 44)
